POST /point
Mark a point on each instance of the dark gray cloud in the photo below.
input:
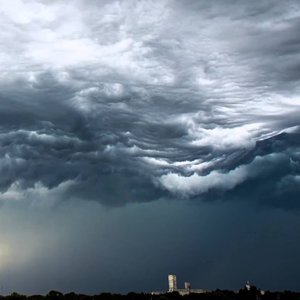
(120, 111)
(144, 103)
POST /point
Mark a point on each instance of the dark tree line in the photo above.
(243, 294)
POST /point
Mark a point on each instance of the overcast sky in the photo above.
(142, 138)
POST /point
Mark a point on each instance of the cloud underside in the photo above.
(120, 102)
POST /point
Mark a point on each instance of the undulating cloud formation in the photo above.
(122, 102)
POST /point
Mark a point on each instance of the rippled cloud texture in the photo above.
(123, 102)
(127, 101)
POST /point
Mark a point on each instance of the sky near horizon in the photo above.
(142, 138)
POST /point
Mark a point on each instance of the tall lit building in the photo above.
(172, 283)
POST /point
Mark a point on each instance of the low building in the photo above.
(187, 287)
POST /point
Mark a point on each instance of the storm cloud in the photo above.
(129, 101)
(127, 105)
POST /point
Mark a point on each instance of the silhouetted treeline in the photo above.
(243, 294)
